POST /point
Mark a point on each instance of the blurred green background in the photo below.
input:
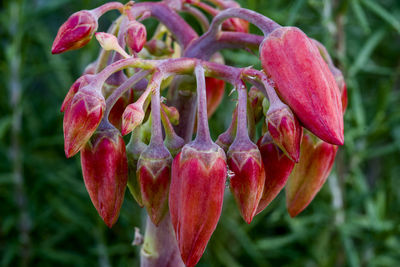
(47, 219)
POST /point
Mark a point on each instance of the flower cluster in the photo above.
(299, 97)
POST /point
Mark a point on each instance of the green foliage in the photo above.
(47, 219)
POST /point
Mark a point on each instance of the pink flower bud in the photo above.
(172, 114)
(132, 117)
(195, 199)
(76, 32)
(256, 98)
(304, 82)
(154, 173)
(158, 48)
(235, 25)
(247, 182)
(277, 170)
(105, 172)
(81, 118)
(79, 83)
(309, 175)
(285, 130)
(215, 89)
(136, 35)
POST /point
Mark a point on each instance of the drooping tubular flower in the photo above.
(81, 118)
(154, 166)
(309, 175)
(105, 171)
(304, 81)
(197, 186)
(244, 160)
(277, 169)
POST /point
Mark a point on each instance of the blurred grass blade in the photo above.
(294, 11)
(360, 15)
(350, 250)
(366, 51)
(383, 13)
(5, 124)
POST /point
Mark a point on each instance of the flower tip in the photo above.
(294, 211)
(338, 139)
(248, 219)
(56, 49)
(69, 150)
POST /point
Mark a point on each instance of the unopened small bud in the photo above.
(310, 174)
(109, 42)
(158, 48)
(105, 172)
(277, 170)
(247, 183)
(154, 175)
(132, 117)
(285, 129)
(135, 36)
(81, 118)
(76, 32)
(172, 113)
(304, 82)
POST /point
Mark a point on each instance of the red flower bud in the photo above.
(81, 118)
(286, 131)
(304, 82)
(79, 83)
(76, 32)
(235, 25)
(154, 174)
(195, 199)
(172, 114)
(309, 175)
(247, 182)
(136, 35)
(215, 89)
(132, 117)
(158, 48)
(277, 170)
(256, 98)
(105, 172)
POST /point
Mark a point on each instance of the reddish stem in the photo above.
(99, 11)
(203, 132)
